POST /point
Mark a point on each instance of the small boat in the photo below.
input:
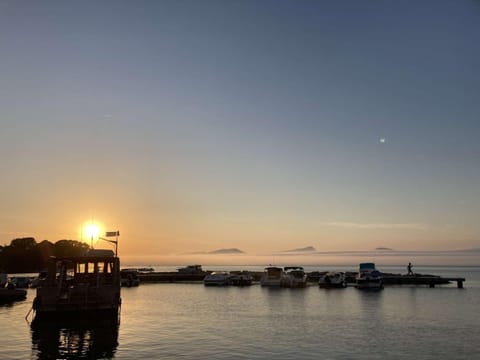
(191, 270)
(80, 285)
(368, 277)
(3, 278)
(146, 270)
(242, 278)
(10, 294)
(272, 276)
(217, 278)
(129, 277)
(332, 280)
(21, 282)
(295, 277)
(39, 280)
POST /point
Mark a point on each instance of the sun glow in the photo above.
(91, 231)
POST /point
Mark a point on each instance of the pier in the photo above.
(388, 278)
(419, 279)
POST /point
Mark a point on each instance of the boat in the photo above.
(3, 278)
(217, 278)
(332, 279)
(21, 282)
(241, 278)
(146, 270)
(272, 276)
(129, 277)
(38, 280)
(368, 277)
(9, 293)
(80, 285)
(295, 277)
(191, 270)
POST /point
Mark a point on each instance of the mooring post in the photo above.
(460, 284)
(432, 285)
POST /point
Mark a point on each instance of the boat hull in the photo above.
(11, 295)
(341, 285)
(369, 284)
(333, 281)
(271, 282)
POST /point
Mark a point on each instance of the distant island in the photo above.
(218, 252)
(227, 251)
(304, 249)
(384, 249)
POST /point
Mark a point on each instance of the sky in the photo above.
(191, 126)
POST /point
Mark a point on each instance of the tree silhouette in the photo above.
(25, 255)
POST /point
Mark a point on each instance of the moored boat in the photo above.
(21, 282)
(129, 277)
(368, 277)
(295, 277)
(10, 294)
(332, 280)
(272, 276)
(3, 278)
(217, 278)
(79, 285)
(241, 278)
(191, 270)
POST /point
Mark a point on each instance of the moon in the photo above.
(382, 140)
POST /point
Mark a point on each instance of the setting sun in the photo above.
(91, 231)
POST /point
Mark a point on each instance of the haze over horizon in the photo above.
(263, 126)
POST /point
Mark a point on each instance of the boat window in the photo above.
(81, 268)
(91, 267)
(70, 273)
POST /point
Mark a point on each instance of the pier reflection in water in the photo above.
(75, 338)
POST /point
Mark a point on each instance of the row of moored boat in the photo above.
(368, 277)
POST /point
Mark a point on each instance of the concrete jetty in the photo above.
(312, 277)
(420, 279)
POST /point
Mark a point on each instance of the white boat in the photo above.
(332, 280)
(272, 276)
(368, 277)
(217, 278)
(295, 277)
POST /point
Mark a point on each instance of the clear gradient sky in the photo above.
(259, 125)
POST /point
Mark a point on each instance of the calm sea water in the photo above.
(190, 321)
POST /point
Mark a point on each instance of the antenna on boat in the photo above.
(112, 234)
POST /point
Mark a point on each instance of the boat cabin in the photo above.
(73, 284)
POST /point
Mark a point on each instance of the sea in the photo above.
(191, 321)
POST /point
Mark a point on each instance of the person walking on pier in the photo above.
(409, 268)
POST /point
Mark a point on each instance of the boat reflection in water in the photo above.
(86, 338)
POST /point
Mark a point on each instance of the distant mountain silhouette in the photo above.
(384, 248)
(226, 251)
(470, 250)
(304, 249)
